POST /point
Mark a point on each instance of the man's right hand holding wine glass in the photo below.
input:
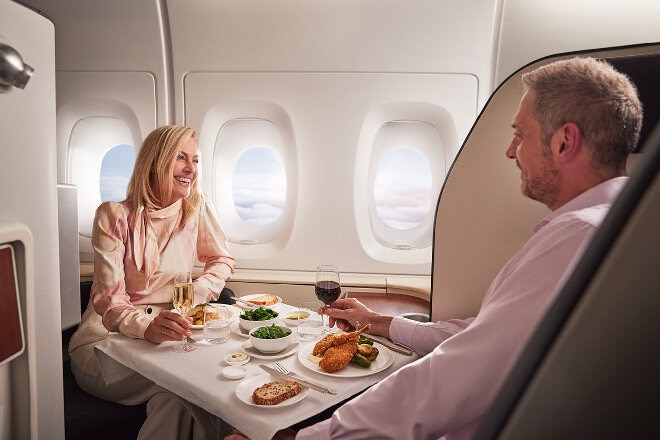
(349, 314)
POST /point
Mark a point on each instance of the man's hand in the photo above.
(168, 326)
(349, 314)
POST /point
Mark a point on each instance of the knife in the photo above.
(245, 303)
(316, 386)
(391, 345)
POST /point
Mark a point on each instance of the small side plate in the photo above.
(246, 387)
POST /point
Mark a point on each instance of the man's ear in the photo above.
(569, 142)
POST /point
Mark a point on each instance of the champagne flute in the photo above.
(327, 288)
(183, 301)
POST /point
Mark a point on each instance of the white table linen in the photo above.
(197, 377)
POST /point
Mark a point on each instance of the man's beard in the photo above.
(544, 187)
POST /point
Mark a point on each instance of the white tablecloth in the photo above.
(197, 377)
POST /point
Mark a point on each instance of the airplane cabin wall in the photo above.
(533, 29)
(166, 61)
(395, 42)
(31, 397)
(328, 64)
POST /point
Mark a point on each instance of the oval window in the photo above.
(259, 186)
(116, 169)
(403, 188)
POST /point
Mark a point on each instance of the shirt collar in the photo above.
(165, 212)
(602, 193)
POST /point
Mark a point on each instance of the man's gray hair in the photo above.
(602, 101)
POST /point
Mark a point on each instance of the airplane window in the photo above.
(116, 169)
(259, 186)
(91, 155)
(402, 189)
(252, 184)
(406, 172)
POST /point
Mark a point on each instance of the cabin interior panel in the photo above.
(28, 219)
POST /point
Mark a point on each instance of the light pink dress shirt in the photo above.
(446, 392)
(134, 266)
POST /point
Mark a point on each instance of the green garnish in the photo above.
(272, 332)
(366, 352)
(259, 314)
(365, 340)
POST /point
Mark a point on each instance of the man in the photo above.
(576, 123)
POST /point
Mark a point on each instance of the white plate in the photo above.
(256, 295)
(237, 329)
(384, 360)
(233, 315)
(249, 349)
(246, 387)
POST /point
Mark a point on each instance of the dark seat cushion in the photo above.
(88, 417)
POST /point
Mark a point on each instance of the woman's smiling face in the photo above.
(185, 170)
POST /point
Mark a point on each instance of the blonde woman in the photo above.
(164, 226)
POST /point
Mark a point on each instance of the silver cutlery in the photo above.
(281, 372)
(399, 348)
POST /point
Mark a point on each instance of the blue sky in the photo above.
(116, 170)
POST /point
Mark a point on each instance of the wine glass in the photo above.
(183, 301)
(327, 288)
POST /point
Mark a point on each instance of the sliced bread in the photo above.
(272, 393)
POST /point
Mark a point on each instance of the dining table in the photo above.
(197, 376)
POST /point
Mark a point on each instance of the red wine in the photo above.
(328, 291)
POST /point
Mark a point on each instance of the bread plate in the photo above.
(233, 315)
(248, 298)
(246, 387)
(383, 361)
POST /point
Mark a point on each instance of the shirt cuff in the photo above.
(402, 329)
(135, 325)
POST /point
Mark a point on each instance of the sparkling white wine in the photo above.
(183, 297)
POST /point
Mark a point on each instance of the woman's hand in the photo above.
(168, 326)
(350, 314)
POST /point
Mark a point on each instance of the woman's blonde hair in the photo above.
(151, 181)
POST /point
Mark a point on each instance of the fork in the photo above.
(282, 369)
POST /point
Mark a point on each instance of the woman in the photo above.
(164, 226)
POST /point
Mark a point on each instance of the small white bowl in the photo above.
(271, 345)
(234, 372)
(237, 359)
(249, 325)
